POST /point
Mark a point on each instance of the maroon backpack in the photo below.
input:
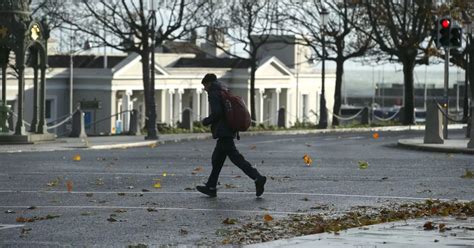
(236, 113)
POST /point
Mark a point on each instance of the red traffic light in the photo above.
(445, 23)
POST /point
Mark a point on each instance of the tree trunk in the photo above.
(253, 70)
(337, 92)
(149, 106)
(409, 108)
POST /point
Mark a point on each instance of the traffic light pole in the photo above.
(446, 87)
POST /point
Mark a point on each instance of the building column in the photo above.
(178, 104)
(170, 107)
(160, 98)
(259, 104)
(196, 104)
(34, 121)
(204, 105)
(42, 126)
(20, 127)
(127, 105)
(289, 107)
(275, 106)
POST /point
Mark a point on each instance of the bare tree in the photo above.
(135, 26)
(400, 29)
(248, 23)
(342, 40)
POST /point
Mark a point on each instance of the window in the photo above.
(48, 108)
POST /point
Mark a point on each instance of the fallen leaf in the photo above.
(267, 218)
(54, 182)
(111, 219)
(69, 185)
(229, 221)
(145, 190)
(76, 158)
(183, 231)
(89, 194)
(375, 135)
(24, 219)
(164, 174)
(120, 210)
(428, 226)
(307, 160)
(230, 186)
(151, 210)
(188, 188)
(197, 170)
(253, 147)
(121, 194)
(308, 145)
(157, 184)
(32, 207)
(442, 227)
(305, 199)
(86, 213)
(468, 174)
(153, 145)
(363, 165)
(237, 176)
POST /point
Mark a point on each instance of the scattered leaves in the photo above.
(230, 221)
(36, 218)
(267, 218)
(363, 165)
(76, 158)
(307, 160)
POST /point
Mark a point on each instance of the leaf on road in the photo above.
(151, 210)
(164, 174)
(86, 213)
(53, 183)
(188, 188)
(468, 174)
(363, 165)
(253, 147)
(197, 170)
(229, 221)
(121, 194)
(307, 160)
(32, 207)
(111, 219)
(153, 145)
(76, 158)
(99, 181)
(428, 226)
(308, 145)
(157, 184)
(89, 194)
(267, 218)
(230, 186)
(69, 185)
(183, 231)
(375, 135)
(120, 210)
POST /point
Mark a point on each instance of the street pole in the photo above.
(466, 81)
(71, 75)
(446, 87)
(323, 122)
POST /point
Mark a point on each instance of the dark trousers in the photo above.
(225, 147)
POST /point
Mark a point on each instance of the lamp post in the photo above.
(323, 115)
(468, 29)
(71, 71)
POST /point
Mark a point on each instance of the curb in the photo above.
(418, 144)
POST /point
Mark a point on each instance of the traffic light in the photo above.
(443, 32)
(455, 37)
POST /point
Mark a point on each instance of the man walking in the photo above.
(225, 146)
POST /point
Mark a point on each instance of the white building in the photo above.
(284, 78)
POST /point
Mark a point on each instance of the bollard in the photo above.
(187, 119)
(281, 117)
(134, 127)
(78, 127)
(365, 116)
(433, 124)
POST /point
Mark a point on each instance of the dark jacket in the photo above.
(216, 119)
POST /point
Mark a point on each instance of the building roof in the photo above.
(212, 63)
(83, 61)
(182, 47)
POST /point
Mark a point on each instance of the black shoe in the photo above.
(206, 190)
(259, 185)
